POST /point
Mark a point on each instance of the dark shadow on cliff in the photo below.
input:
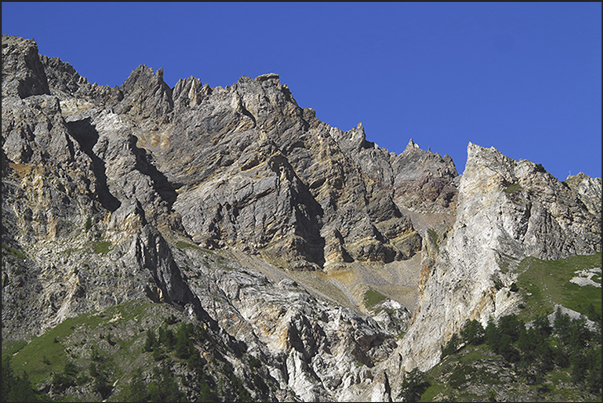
(84, 132)
(161, 184)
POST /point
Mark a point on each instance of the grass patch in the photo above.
(372, 298)
(10, 347)
(433, 236)
(47, 353)
(101, 246)
(513, 188)
(431, 392)
(13, 252)
(548, 282)
(186, 245)
(44, 348)
(477, 353)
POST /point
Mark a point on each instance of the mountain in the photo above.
(242, 247)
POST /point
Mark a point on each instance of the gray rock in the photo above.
(246, 214)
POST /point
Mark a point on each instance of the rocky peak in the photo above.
(252, 218)
(146, 95)
(507, 210)
(190, 92)
(22, 72)
(411, 145)
(588, 189)
(425, 182)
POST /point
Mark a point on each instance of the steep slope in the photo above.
(291, 243)
(507, 210)
(107, 190)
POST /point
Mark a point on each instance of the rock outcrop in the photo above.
(309, 245)
(507, 210)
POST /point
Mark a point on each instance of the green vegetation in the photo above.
(129, 352)
(433, 236)
(546, 357)
(544, 284)
(101, 246)
(16, 388)
(50, 347)
(544, 361)
(513, 188)
(162, 388)
(88, 224)
(186, 245)
(10, 347)
(7, 250)
(413, 386)
(372, 298)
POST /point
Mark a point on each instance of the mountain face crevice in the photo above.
(86, 135)
(335, 263)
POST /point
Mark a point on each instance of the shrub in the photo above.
(452, 346)
(151, 342)
(413, 386)
(70, 369)
(492, 335)
(473, 332)
(61, 381)
(137, 390)
(102, 385)
(88, 224)
(254, 362)
(513, 188)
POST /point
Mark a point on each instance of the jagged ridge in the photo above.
(110, 194)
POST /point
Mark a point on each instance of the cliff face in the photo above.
(507, 210)
(267, 225)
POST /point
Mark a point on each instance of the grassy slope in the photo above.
(74, 339)
(472, 372)
(548, 282)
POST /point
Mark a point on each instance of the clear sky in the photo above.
(522, 77)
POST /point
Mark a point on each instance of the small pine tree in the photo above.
(492, 336)
(70, 369)
(183, 343)
(473, 332)
(543, 326)
(102, 385)
(561, 323)
(151, 342)
(21, 390)
(452, 346)
(413, 386)
(137, 390)
(8, 377)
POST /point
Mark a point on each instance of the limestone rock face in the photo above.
(507, 210)
(310, 246)
(424, 181)
(588, 191)
(251, 152)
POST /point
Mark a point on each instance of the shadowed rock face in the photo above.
(117, 194)
(257, 172)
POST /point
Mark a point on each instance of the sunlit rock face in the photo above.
(311, 246)
(507, 210)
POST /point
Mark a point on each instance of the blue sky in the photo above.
(522, 77)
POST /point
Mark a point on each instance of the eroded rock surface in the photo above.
(308, 244)
(507, 210)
